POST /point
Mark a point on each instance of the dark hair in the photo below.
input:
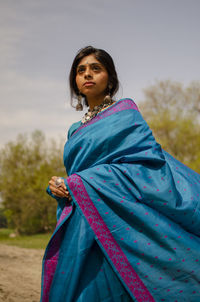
(105, 59)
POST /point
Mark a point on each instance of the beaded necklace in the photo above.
(92, 113)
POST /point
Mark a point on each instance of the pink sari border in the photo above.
(50, 264)
(66, 211)
(109, 244)
(51, 258)
(121, 105)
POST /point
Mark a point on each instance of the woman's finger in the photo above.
(62, 184)
(59, 191)
(52, 183)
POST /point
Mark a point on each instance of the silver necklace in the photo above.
(92, 113)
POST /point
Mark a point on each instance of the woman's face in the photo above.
(91, 78)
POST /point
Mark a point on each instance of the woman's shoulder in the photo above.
(124, 99)
(127, 102)
(73, 128)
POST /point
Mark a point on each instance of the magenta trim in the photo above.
(50, 264)
(51, 257)
(65, 212)
(110, 245)
(121, 105)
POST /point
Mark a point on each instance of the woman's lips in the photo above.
(88, 84)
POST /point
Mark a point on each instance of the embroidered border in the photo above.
(51, 257)
(121, 105)
(65, 212)
(50, 264)
(112, 248)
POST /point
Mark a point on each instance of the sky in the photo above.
(149, 40)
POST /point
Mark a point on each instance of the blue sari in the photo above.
(132, 230)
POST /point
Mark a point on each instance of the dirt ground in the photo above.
(20, 274)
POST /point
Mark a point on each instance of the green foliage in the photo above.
(26, 167)
(172, 112)
(3, 220)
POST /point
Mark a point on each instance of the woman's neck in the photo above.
(95, 101)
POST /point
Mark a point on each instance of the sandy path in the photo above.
(20, 274)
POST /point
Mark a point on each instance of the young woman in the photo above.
(128, 212)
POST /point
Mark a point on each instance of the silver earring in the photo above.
(107, 98)
(79, 106)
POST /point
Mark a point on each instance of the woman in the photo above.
(128, 213)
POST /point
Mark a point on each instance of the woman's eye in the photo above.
(81, 70)
(96, 67)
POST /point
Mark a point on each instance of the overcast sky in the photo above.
(149, 40)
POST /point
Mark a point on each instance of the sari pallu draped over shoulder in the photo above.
(141, 204)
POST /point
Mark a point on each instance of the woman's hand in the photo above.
(60, 191)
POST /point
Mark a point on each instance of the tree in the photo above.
(3, 220)
(26, 166)
(172, 112)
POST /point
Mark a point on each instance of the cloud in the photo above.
(40, 38)
(20, 90)
(34, 103)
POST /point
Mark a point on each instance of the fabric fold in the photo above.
(140, 203)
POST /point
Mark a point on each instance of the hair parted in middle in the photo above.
(105, 59)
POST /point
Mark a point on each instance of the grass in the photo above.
(38, 241)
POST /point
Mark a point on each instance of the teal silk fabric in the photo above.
(132, 230)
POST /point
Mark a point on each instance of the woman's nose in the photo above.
(88, 74)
